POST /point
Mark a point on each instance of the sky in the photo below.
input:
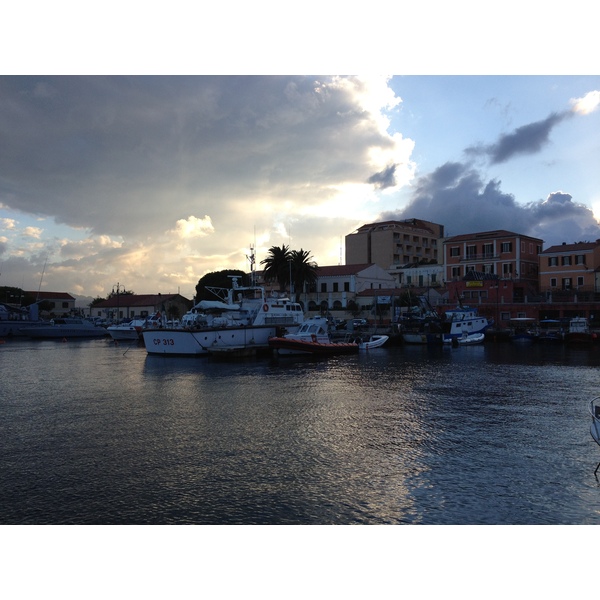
(150, 181)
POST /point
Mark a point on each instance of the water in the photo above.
(93, 433)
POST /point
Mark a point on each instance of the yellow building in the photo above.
(394, 244)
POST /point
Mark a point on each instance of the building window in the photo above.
(471, 252)
(507, 269)
(323, 287)
(506, 247)
(433, 278)
(65, 305)
(455, 251)
(335, 286)
(566, 283)
(580, 259)
(346, 286)
(488, 269)
(553, 261)
(579, 281)
(455, 272)
(553, 282)
(488, 250)
(566, 261)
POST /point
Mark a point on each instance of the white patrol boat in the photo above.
(242, 320)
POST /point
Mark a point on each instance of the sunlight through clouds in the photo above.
(194, 227)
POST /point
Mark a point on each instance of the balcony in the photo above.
(476, 257)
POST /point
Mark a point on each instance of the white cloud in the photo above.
(194, 227)
(33, 232)
(587, 104)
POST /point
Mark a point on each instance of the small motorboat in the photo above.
(595, 426)
(374, 341)
(466, 339)
(311, 338)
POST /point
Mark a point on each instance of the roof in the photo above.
(488, 235)
(342, 270)
(135, 300)
(408, 223)
(579, 246)
(51, 295)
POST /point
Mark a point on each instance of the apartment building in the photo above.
(472, 259)
(569, 268)
(394, 244)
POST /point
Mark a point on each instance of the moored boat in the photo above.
(579, 332)
(371, 341)
(523, 330)
(126, 331)
(65, 328)
(243, 317)
(463, 321)
(311, 338)
(13, 319)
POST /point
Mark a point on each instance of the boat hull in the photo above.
(202, 342)
(63, 332)
(291, 346)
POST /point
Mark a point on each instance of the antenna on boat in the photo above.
(41, 279)
(252, 259)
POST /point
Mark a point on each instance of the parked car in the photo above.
(359, 323)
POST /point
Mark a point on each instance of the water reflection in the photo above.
(485, 434)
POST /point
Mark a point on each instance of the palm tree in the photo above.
(304, 269)
(277, 266)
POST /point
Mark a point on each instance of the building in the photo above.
(128, 306)
(570, 269)
(56, 304)
(337, 285)
(500, 262)
(393, 244)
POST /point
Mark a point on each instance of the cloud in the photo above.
(587, 104)
(136, 158)
(194, 227)
(527, 139)
(8, 224)
(457, 196)
(33, 232)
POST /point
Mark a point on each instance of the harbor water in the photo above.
(97, 433)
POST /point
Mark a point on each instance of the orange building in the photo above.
(503, 260)
(570, 269)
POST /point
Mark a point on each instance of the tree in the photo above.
(304, 269)
(220, 279)
(277, 266)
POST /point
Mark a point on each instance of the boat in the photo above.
(240, 322)
(129, 331)
(461, 321)
(579, 332)
(312, 338)
(523, 330)
(13, 319)
(372, 341)
(550, 331)
(467, 339)
(595, 426)
(65, 328)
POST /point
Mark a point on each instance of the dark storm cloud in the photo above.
(96, 152)
(456, 196)
(384, 179)
(527, 139)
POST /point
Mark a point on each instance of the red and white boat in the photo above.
(311, 338)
